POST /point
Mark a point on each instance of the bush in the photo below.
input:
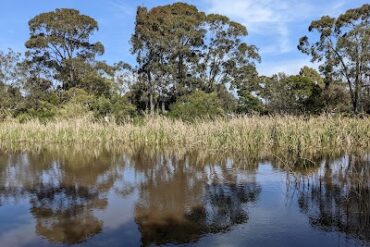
(248, 103)
(72, 110)
(122, 110)
(101, 107)
(337, 99)
(77, 95)
(117, 107)
(77, 104)
(198, 105)
(44, 112)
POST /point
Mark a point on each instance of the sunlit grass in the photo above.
(241, 134)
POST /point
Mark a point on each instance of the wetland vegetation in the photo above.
(190, 145)
(283, 134)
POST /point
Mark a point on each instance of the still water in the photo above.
(138, 198)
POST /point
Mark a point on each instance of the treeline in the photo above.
(189, 65)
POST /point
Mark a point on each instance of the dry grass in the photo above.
(242, 134)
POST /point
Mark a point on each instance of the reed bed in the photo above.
(240, 134)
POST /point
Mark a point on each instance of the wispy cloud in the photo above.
(275, 26)
(121, 9)
(266, 17)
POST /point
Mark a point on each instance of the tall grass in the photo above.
(241, 134)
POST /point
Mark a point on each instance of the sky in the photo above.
(274, 26)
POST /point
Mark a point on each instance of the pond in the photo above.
(140, 198)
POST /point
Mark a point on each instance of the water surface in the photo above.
(140, 198)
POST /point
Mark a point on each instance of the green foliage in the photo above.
(101, 107)
(336, 99)
(9, 97)
(193, 64)
(248, 103)
(118, 107)
(312, 74)
(96, 78)
(198, 105)
(343, 48)
(11, 75)
(44, 112)
(60, 41)
(122, 110)
(180, 49)
(292, 94)
(228, 101)
(76, 103)
(77, 95)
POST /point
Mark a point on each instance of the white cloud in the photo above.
(265, 17)
(272, 18)
(273, 25)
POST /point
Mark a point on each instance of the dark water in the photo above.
(142, 199)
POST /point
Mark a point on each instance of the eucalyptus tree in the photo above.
(11, 68)
(11, 79)
(226, 59)
(164, 42)
(343, 47)
(60, 41)
(180, 48)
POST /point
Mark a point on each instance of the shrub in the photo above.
(337, 100)
(44, 112)
(122, 110)
(248, 103)
(101, 107)
(77, 104)
(197, 105)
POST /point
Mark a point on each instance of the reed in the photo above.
(241, 134)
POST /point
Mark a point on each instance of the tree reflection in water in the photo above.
(63, 190)
(337, 198)
(181, 197)
(176, 197)
(63, 215)
(180, 201)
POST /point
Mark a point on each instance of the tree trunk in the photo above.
(163, 107)
(151, 102)
(355, 105)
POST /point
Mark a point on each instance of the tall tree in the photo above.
(164, 42)
(11, 71)
(179, 49)
(225, 58)
(11, 79)
(60, 41)
(344, 48)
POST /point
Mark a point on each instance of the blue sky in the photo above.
(274, 25)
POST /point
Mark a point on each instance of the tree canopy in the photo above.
(180, 49)
(60, 41)
(189, 65)
(343, 48)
